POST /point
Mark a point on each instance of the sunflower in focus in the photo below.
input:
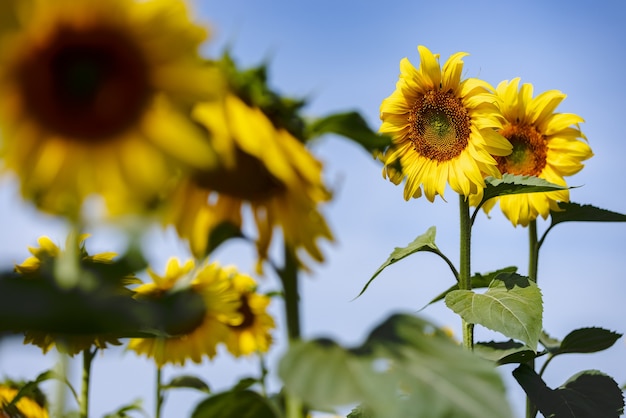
(442, 129)
(546, 144)
(262, 167)
(96, 99)
(212, 283)
(26, 407)
(252, 334)
(41, 261)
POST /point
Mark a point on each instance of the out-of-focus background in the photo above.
(344, 55)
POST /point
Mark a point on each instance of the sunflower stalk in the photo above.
(533, 265)
(465, 267)
(88, 356)
(158, 394)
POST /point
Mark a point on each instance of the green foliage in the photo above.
(588, 394)
(512, 305)
(188, 382)
(504, 352)
(406, 367)
(122, 412)
(425, 242)
(350, 125)
(478, 281)
(222, 233)
(236, 404)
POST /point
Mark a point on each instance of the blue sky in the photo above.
(344, 55)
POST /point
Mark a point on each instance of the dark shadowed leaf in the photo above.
(588, 340)
(589, 394)
(235, 404)
(504, 352)
(221, 233)
(575, 212)
(189, 382)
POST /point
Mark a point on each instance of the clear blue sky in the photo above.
(344, 55)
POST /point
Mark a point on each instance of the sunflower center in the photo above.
(439, 126)
(85, 84)
(529, 151)
(249, 180)
(246, 313)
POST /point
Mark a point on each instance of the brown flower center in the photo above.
(86, 84)
(246, 313)
(249, 180)
(440, 126)
(529, 151)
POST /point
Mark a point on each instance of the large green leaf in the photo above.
(512, 306)
(589, 394)
(235, 404)
(504, 352)
(406, 367)
(352, 126)
(478, 281)
(588, 340)
(425, 242)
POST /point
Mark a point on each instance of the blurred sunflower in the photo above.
(262, 167)
(43, 259)
(25, 407)
(211, 282)
(96, 99)
(441, 129)
(252, 334)
(546, 144)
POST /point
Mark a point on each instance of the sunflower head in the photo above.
(442, 129)
(211, 283)
(546, 144)
(96, 99)
(32, 405)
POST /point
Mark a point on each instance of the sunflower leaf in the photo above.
(512, 306)
(586, 394)
(588, 340)
(478, 280)
(504, 352)
(516, 184)
(350, 125)
(187, 381)
(235, 404)
(570, 211)
(425, 242)
(406, 367)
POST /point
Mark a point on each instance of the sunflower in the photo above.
(546, 144)
(262, 167)
(96, 99)
(42, 259)
(442, 129)
(25, 407)
(211, 282)
(252, 334)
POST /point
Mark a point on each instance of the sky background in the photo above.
(344, 55)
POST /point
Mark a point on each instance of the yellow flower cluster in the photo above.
(452, 131)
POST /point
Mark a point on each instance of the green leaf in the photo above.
(550, 343)
(221, 233)
(360, 412)
(478, 281)
(189, 382)
(588, 340)
(571, 212)
(122, 412)
(425, 242)
(350, 125)
(31, 388)
(235, 404)
(512, 306)
(504, 352)
(588, 394)
(517, 184)
(406, 367)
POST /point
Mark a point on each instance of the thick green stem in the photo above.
(533, 261)
(289, 278)
(465, 281)
(158, 394)
(88, 356)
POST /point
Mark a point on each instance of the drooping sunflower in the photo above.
(43, 259)
(263, 167)
(546, 144)
(252, 334)
(25, 407)
(96, 99)
(442, 129)
(212, 283)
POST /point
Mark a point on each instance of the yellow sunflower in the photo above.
(42, 258)
(262, 167)
(96, 99)
(252, 334)
(211, 282)
(546, 144)
(442, 129)
(26, 407)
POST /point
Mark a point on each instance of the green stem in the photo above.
(533, 264)
(289, 278)
(465, 281)
(158, 394)
(88, 356)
